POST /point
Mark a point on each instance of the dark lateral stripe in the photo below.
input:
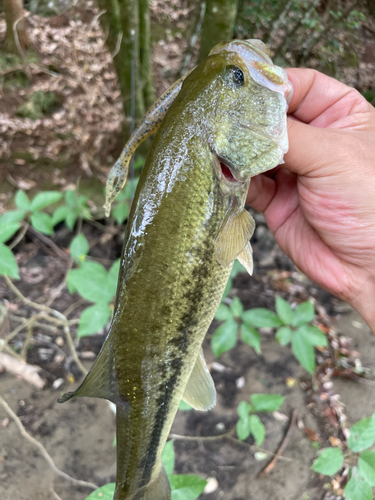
(163, 403)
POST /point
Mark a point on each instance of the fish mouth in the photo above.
(227, 172)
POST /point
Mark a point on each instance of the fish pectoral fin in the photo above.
(233, 236)
(100, 382)
(246, 258)
(200, 392)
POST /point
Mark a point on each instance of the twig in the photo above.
(28, 337)
(73, 306)
(284, 442)
(19, 236)
(25, 324)
(54, 494)
(56, 314)
(47, 241)
(43, 451)
(118, 45)
(226, 435)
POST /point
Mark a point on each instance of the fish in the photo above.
(216, 127)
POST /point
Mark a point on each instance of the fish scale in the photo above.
(186, 227)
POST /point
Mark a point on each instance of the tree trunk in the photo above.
(218, 24)
(13, 11)
(145, 52)
(122, 20)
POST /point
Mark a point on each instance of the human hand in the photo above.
(320, 205)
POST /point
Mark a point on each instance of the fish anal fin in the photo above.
(101, 381)
(233, 236)
(200, 392)
(246, 258)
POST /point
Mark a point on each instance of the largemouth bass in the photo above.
(217, 127)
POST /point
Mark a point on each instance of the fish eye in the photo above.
(237, 75)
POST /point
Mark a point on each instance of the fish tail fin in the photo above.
(159, 489)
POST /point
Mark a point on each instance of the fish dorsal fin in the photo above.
(101, 381)
(234, 234)
(200, 392)
(246, 258)
(149, 124)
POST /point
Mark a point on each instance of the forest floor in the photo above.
(77, 141)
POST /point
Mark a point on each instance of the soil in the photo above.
(79, 434)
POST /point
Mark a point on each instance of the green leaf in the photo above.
(60, 214)
(22, 201)
(224, 338)
(303, 313)
(113, 276)
(261, 318)
(106, 492)
(45, 198)
(284, 335)
(91, 281)
(121, 212)
(284, 311)
(257, 429)
(71, 220)
(8, 263)
(303, 351)
(366, 464)
(168, 457)
(236, 307)
(93, 319)
(42, 222)
(186, 487)
(362, 434)
(243, 409)
(71, 197)
(223, 313)
(183, 406)
(79, 247)
(251, 337)
(357, 488)
(329, 461)
(243, 428)
(313, 335)
(12, 216)
(266, 402)
(8, 230)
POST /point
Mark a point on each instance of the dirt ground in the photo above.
(79, 435)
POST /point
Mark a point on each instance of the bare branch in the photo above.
(43, 451)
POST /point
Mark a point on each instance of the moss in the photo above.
(38, 104)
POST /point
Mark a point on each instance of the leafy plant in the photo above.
(184, 486)
(361, 476)
(74, 207)
(249, 423)
(95, 284)
(234, 321)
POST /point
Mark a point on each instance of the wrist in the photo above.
(364, 303)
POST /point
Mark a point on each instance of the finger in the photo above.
(261, 192)
(311, 148)
(321, 100)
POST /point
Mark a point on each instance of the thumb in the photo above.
(312, 150)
